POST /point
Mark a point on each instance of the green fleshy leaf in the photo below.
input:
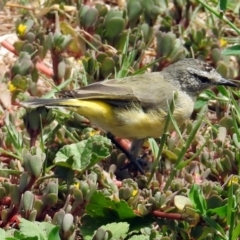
(40, 230)
(197, 199)
(84, 154)
(220, 211)
(54, 234)
(114, 27)
(2, 234)
(233, 50)
(119, 230)
(137, 237)
(223, 5)
(236, 231)
(102, 206)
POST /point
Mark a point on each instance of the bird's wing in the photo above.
(100, 90)
(117, 89)
(124, 91)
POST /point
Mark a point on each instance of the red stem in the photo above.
(40, 65)
(175, 216)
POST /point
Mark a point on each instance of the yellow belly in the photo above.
(132, 122)
(139, 124)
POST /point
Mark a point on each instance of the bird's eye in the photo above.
(204, 79)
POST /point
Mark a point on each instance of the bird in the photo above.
(136, 107)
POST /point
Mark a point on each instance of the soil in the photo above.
(8, 18)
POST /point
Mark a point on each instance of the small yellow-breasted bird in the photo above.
(136, 107)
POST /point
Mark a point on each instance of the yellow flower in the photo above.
(11, 87)
(94, 132)
(134, 193)
(223, 42)
(76, 185)
(21, 29)
(234, 179)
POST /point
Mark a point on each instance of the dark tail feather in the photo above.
(40, 102)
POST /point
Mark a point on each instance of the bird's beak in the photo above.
(226, 82)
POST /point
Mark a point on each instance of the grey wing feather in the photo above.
(123, 91)
(101, 91)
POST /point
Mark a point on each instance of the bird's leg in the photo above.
(137, 146)
(132, 154)
(135, 150)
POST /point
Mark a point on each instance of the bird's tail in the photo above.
(40, 102)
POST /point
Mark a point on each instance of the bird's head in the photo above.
(194, 75)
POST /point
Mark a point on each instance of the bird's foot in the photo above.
(136, 164)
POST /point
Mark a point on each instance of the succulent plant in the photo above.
(70, 174)
(169, 49)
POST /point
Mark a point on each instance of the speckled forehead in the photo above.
(211, 72)
(204, 70)
(208, 68)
